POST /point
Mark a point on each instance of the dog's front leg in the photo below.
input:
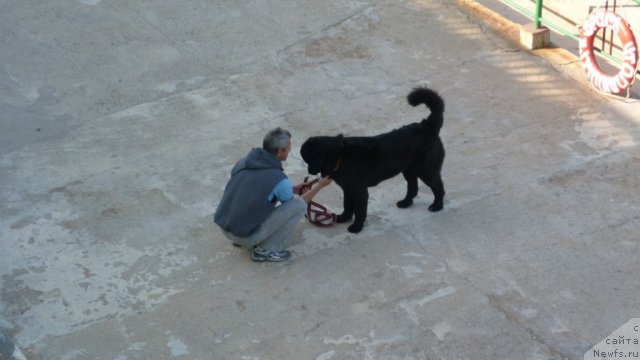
(347, 213)
(360, 201)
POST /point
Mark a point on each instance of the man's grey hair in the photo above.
(276, 139)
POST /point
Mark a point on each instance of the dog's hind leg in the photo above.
(434, 181)
(412, 190)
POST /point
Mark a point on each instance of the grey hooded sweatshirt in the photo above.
(245, 205)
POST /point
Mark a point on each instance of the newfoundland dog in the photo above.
(356, 163)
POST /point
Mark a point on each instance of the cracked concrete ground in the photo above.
(120, 124)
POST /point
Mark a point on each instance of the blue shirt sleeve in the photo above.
(283, 191)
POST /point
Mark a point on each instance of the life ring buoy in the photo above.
(621, 81)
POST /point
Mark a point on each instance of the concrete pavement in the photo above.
(120, 123)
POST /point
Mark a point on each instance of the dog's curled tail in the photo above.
(433, 101)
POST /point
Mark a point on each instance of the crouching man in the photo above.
(259, 209)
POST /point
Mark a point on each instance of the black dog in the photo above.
(356, 163)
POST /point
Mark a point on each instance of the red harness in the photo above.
(317, 214)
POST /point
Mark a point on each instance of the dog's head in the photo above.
(321, 153)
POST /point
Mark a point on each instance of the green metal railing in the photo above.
(538, 19)
(538, 16)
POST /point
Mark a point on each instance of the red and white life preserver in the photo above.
(621, 81)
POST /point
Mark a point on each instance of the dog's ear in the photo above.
(334, 149)
(341, 141)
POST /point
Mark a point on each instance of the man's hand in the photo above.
(298, 187)
(323, 182)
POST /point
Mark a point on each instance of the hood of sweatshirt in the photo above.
(258, 158)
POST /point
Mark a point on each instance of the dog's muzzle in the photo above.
(312, 170)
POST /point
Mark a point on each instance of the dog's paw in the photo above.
(435, 207)
(405, 203)
(355, 228)
(342, 218)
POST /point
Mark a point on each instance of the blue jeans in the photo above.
(275, 232)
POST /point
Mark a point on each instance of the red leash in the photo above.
(317, 214)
